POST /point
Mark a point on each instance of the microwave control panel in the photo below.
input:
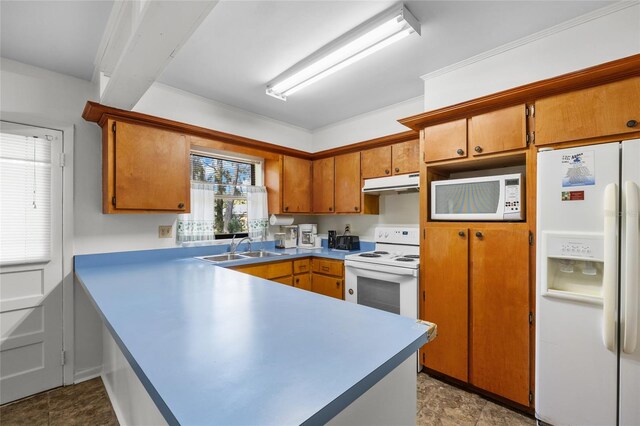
(512, 199)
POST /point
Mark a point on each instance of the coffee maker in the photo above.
(307, 235)
(290, 235)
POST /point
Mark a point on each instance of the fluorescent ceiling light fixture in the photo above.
(377, 33)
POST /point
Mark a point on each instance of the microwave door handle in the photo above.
(631, 282)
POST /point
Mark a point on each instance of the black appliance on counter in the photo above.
(331, 241)
(347, 242)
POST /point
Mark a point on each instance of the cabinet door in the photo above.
(445, 141)
(498, 131)
(284, 280)
(376, 162)
(446, 300)
(499, 282)
(329, 286)
(348, 186)
(610, 109)
(302, 281)
(405, 157)
(152, 169)
(323, 185)
(296, 185)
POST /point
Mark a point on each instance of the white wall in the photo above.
(371, 125)
(175, 104)
(598, 37)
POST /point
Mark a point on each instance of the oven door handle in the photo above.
(380, 268)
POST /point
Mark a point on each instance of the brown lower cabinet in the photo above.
(477, 291)
(327, 277)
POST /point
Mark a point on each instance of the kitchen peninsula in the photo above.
(189, 342)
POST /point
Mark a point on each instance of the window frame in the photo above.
(256, 166)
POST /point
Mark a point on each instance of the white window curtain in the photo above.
(199, 225)
(257, 215)
(25, 199)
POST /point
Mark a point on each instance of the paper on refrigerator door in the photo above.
(578, 169)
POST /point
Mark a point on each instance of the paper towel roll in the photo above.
(279, 219)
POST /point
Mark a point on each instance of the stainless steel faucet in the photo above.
(234, 246)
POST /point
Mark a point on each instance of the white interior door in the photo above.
(630, 292)
(30, 260)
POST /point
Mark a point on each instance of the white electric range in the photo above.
(386, 278)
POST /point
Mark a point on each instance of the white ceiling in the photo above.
(242, 45)
(61, 36)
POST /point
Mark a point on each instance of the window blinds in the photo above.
(25, 199)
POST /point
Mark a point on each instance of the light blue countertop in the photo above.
(216, 346)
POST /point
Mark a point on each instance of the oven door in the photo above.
(388, 288)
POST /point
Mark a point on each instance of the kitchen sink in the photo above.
(261, 254)
(223, 257)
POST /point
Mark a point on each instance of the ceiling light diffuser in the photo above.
(377, 33)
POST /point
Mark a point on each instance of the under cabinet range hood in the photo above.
(390, 184)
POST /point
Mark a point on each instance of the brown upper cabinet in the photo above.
(396, 159)
(405, 157)
(376, 162)
(296, 185)
(497, 131)
(606, 110)
(144, 169)
(445, 141)
(323, 185)
(348, 187)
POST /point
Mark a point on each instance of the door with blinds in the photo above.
(30, 260)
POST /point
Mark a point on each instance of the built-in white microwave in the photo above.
(499, 198)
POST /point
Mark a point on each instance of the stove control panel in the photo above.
(398, 235)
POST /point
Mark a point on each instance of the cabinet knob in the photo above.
(461, 233)
(632, 123)
(397, 169)
(460, 151)
(356, 208)
(181, 206)
(386, 171)
(286, 209)
(478, 148)
(479, 234)
(297, 280)
(330, 209)
(337, 283)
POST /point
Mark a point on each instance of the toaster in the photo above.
(347, 242)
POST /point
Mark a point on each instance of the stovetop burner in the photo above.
(380, 252)
(404, 259)
(370, 255)
(412, 256)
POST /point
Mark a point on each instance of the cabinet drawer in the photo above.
(302, 281)
(327, 267)
(284, 280)
(446, 141)
(301, 266)
(254, 270)
(329, 286)
(606, 110)
(278, 269)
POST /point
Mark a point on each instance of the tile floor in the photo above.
(87, 404)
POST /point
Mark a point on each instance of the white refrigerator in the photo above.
(587, 297)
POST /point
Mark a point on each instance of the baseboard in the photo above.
(87, 374)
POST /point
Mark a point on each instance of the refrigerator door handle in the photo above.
(609, 279)
(632, 235)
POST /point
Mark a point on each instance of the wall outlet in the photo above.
(165, 231)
